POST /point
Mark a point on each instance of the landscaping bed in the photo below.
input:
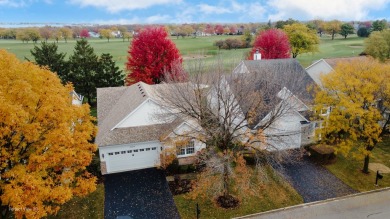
(323, 154)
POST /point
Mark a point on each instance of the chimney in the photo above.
(257, 55)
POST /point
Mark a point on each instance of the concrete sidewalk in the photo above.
(373, 205)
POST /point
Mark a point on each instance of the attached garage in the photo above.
(129, 131)
(129, 157)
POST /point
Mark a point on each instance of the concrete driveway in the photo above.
(313, 182)
(138, 194)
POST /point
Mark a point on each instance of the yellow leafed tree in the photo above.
(358, 96)
(45, 141)
(302, 39)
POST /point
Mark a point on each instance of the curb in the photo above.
(305, 205)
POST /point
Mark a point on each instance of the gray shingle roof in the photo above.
(333, 61)
(285, 73)
(113, 105)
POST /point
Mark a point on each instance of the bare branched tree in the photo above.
(236, 115)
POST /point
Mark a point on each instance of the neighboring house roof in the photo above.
(282, 72)
(114, 104)
(334, 61)
(274, 81)
(325, 66)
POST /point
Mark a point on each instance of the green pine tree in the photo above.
(108, 74)
(83, 67)
(47, 55)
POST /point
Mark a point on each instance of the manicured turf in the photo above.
(339, 47)
(118, 49)
(349, 170)
(192, 48)
(273, 194)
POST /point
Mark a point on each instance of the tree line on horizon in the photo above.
(332, 27)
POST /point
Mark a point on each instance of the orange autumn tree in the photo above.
(45, 141)
(358, 94)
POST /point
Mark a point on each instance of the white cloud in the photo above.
(122, 5)
(334, 9)
(256, 10)
(12, 3)
(210, 9)
(21, 3)
(156, 19)
(243, 10)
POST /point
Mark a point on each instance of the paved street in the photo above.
(373, 205)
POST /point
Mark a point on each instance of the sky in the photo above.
(14, 12)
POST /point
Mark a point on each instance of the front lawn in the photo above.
(276, 193)
(349, 170)
(90, 206)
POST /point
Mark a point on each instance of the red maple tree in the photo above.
(272, 44)
(218, 29)
(84, 33)
(151, 54)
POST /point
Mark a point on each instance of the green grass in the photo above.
(118, 49)
(339, 47)
(190, 48)
(90, 206)
(276, 193)
(349, 169)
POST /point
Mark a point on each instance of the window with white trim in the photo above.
(187, 149)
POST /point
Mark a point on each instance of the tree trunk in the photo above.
(225, 179)
(366, 162)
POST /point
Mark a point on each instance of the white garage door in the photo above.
(133, 157)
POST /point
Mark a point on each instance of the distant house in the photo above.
(116, 34)
(130, 134)
(93, 34)
(325, 66)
